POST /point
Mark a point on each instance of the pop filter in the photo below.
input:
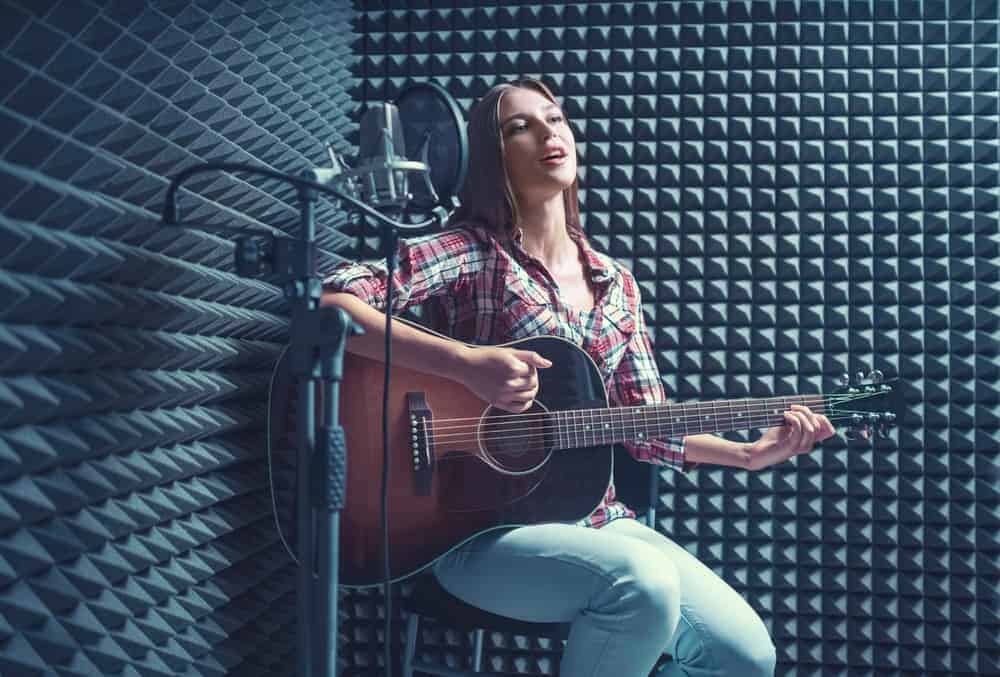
(434, 133)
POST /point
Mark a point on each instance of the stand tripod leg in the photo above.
(304, 530)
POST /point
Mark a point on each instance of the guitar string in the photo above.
(653, 430)
(614, 413)
(568, 424)
(660, 408)
(536, 435)
(585, 423)
(512, 429)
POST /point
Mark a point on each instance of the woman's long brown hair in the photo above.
(486, 198)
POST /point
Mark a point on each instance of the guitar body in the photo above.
(483, 469)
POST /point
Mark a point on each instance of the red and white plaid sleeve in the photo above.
(428, 265)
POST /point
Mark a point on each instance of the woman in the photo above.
(515, 263)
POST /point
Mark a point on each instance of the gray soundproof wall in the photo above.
(803, 189)
(136, 535)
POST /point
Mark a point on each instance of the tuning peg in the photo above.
(860, 377)
(863, 432)
(876, 376)
(844, 380)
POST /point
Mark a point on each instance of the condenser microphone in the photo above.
(412, 158)
(382, 180)
(379, 178)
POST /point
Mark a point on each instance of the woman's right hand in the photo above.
(507, 378)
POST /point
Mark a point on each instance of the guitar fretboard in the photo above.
(588, 427)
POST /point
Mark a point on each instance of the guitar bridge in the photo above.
(421, 421)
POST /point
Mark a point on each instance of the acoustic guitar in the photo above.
(459, 467)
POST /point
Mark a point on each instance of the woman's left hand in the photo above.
(802, 430)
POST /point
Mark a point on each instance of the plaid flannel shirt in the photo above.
(486, 293)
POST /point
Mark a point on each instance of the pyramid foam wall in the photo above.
(802, 189)
(136, 535)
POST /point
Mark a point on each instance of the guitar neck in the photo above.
(588, 427)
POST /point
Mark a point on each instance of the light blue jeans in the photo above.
(630, 593)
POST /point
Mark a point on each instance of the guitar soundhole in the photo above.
(515, 443)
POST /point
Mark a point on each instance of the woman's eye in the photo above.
(556, 118)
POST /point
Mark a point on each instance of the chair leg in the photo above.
(654, 496)
(412, 628)
(477, 650)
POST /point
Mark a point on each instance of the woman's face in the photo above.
(539, 149)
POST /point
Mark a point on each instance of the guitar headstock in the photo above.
(868, 406)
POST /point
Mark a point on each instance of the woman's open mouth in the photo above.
(555, 158)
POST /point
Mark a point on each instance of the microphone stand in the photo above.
(317, 340)
(316, 349)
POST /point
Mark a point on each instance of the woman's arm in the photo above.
(505, 377)
(802, 430)
(637, 381)
(715, 451)
(411, 347)
(429, 266)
